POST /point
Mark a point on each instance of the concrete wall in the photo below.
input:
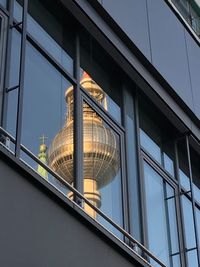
(165, 42)
(38, 229)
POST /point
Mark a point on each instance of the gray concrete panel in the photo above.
(37, 231)
(131, 16)
(169, 49)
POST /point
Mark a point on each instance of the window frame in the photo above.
(3, 43)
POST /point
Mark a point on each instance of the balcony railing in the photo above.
(79, 201)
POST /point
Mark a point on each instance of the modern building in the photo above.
(100, 133)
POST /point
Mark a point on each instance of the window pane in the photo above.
(172, 219)
(13, 81)
(156, 215)
(176, 261)
(101, 166)
(96, 64)
(183, 164)
(48, 29)
(196, 193)
(195, 157)
(192, 258)
(3, 3)
(151, 147)
(168, 164)
(198, 222)
(44, 130)
(188, 223)
(155, 136)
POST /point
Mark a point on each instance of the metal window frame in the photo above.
(7, 64)
(21, 79)
(181, 230)
(89, 100)
(192, 199)
(143, 155)
(166, 179)
(3, 42)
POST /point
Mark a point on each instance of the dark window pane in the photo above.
(155, 136)
(195, 157)
(183, 164)
(15, 58)
(13, 81)
(47, 26)
(103, 71)
(44, 130)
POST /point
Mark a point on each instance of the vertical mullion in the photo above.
(78, 123)
(21, 79)
(3, 45)
(124, 176)
(167, 220)
(142, 203)
(192, 198)
(7, 65)
(124, 185)
(179, 212)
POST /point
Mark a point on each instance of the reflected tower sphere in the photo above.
(100, 147)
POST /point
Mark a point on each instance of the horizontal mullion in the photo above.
(101, 111)
(9, 89)
(8, 135)
(159, 168)
(5, 11)
(15, 25)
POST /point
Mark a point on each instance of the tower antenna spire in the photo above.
(43, 157)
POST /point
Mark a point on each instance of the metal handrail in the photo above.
(79, 195)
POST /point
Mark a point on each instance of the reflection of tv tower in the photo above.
(100, 147)
(43, 157)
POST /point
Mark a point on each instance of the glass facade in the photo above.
(74, 117)
(190, 10)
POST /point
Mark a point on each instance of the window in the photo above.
(3, 31)
(157, 137)
(161, 217)
(190, 10)
(104, 72)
